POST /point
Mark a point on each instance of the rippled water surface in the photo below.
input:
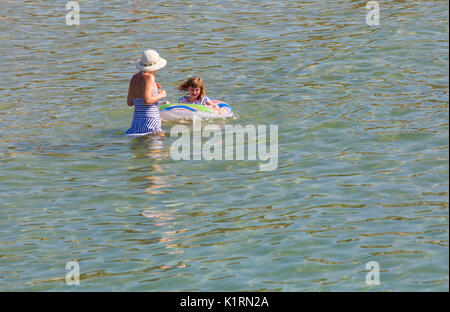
(362, 115)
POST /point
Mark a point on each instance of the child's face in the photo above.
(194, 92)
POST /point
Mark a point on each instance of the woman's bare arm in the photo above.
(129, 97)
(149, 98)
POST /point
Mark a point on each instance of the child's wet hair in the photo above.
(194, 82)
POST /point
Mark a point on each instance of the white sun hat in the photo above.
(150, 61)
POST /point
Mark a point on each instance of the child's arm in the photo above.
(216, 108)
(208, 102)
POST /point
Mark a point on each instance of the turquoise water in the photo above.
(362, 115)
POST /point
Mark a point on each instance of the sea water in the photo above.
(362, 172)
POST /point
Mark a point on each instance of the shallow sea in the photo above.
(363, 137)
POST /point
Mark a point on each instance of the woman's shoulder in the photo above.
(148, 76)
(143, 75)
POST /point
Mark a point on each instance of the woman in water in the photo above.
(145, 95)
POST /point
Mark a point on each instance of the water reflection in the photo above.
(363, 164)
(152, 149)
(151, 146)
(164, 220)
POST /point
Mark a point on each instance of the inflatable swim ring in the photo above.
(177, 111)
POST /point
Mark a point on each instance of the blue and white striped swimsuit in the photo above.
(146, 118)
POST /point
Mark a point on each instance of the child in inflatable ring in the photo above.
(197, 93)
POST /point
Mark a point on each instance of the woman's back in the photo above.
(138, 84)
